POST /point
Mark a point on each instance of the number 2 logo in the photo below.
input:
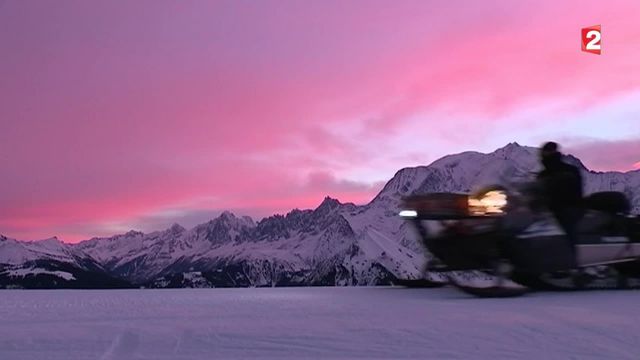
(591, 39)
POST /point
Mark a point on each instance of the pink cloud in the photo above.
(269, 107)
(607, 155)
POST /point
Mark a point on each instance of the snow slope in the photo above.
(21, 272)
(321, 322)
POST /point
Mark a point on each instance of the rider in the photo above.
(562, 184)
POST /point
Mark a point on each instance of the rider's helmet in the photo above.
(550, 154)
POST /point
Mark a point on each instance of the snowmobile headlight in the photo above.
(490, 203)
(408, 213)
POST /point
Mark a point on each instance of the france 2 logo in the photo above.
(592, 39)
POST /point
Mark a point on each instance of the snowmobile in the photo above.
(503, 241)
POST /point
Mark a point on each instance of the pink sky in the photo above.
(135, 115)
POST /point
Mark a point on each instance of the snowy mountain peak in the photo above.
(229, 219)
(328, 204)
(177, 228)
(224, 229)
(227, 215)
(469, 170)
(53, 240)
(18, 252)
(50, 243)
(515, 151)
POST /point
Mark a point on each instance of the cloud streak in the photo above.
(621, 155)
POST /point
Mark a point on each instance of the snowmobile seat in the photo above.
(611, 202)
(594, 221)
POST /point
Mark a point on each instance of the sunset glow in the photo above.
(135, 115)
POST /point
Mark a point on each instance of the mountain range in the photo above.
(334, 244)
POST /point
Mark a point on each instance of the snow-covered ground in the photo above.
(297, 323)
